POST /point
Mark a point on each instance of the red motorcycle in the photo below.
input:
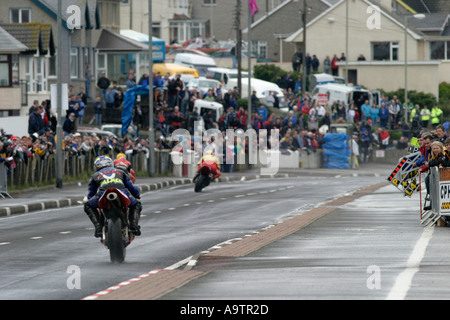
(113, 208)
(203, 178)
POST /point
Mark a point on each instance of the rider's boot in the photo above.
(93, 216)
(134, 215)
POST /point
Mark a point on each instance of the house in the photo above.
(271, 29)
(170, 19)
(10, 89)
(34, 23)
(378, 33)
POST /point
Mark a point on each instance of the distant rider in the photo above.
(210, 160)
(105, 177)
(123, 164)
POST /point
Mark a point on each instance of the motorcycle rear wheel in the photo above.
(116, 245)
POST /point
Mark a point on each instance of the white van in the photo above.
(195, 61)
(224, 74)
(339, 93)
(318, 79)
(262, 88)
(204, 106)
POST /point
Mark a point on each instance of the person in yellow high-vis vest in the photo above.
(436, 114)
(425, 115)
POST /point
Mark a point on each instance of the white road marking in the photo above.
(404, 279)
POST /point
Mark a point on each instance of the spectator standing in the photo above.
(87, 78)
(334, 66)
(131, 81)
(365, 108)
(308, 63)
(289, 82)
(81, 108)
(103, 84)
(327, 65)
(98, 110)
(315, 63)
(374, 114)
(436, 115)
(233, 56)
(384, 115)
(425, 115)
(69, 125)
(110, 98)
(35, 104)
(35, 123)
(299, 59)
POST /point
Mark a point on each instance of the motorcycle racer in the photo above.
(210, 160)
(105, 177)
(123, 164)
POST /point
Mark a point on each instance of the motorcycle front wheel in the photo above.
(199, 183)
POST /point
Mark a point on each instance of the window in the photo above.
(74, 63)
(52, 65)
(260, 48)
(36, 74)
(19, 15)
(5, 70)
(209, 2)
(439, 50)
(385, 51)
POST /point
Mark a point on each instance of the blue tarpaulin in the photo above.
(129, 99)
(336, 151)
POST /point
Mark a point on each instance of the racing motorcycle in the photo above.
(203, 178)
(113, 209)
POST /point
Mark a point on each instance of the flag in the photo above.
(253, 7)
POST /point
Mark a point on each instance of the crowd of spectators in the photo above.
(302, 128)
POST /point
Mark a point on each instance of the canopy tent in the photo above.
(158, 45)
(129, 99)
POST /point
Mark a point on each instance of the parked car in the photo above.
(207, 43)
(114, 128)
(96, 131)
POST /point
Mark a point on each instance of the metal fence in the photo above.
(439, 191)
(40, 171)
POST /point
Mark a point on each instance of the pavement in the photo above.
(72, 194)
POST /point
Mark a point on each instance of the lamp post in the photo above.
(151, 130)
(418, 16)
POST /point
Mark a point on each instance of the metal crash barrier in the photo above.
(3, 182)
(439, 196)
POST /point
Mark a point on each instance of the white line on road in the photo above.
(404, 279)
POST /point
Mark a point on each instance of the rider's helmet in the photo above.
(121, 156)
(103, 162)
